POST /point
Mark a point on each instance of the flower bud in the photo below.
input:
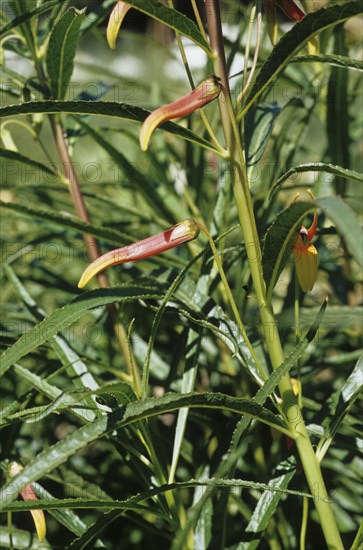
(151, 246)
(27, 493)
(305, 253)
(114, 23)
(194, 100)
(291, 9)
(306, 263)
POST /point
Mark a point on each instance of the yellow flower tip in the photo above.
(306, 263)
(103, 262)
(27, 493)
(208, 90)
(39, 522)
(184, 231)
(311, 194)
(295, 386)
(295, 197)
(271, 21)
(150, 124)
(180, 233)
(313, 46)
(115, 21)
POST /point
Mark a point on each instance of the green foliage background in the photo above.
(99, 456)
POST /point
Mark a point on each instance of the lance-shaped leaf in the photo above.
(176, 235)
(63, 317)
(208, 90)
(57, 454)
(293, 41)
(61, 51)
(100, 108)
(173, 19)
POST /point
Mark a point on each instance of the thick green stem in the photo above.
(291, 409)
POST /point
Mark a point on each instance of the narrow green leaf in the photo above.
(335, 317)
(332, 59)
(144, 185)
(271, 383)
(65, 516)
(65, 316)
(61, 51)
(101, 108)
(21, 540)
(227, 466)
(55, 455)
(106, 233)
(294, 40)
(347, 395)
(213, 317)
(203, 529)
(173, 19)
(94, 530)
(258, 126)
(346, 223)
(279, 242)
(337, 113)
(187, 385)
(51, 391)
(264, 510)
(47, 6)
(15, 156)
(275, 377)
(134, 501)
(317, 167)
(75, 367)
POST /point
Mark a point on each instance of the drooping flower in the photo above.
(288, 7)
(208, 90)
(292, 11)
(115, 21)
(28, 493)
(306, 255)
(180, 233)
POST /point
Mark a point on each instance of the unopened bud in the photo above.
(151, 246)
(194, 100)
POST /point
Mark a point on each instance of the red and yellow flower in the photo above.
(208, 90)
(180, 233)
(28, 493)
(288, 7)
(306, 255)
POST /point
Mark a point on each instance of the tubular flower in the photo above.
(172, 237)
(306, 255)
(208, 90)
(290, 9)
(114, 23)
(27, 493)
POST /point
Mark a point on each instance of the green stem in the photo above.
(304, 522)
(10, 530)
(192, 85)
(247, 80)
(232, 302)
(291, 409)
(298, 334)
